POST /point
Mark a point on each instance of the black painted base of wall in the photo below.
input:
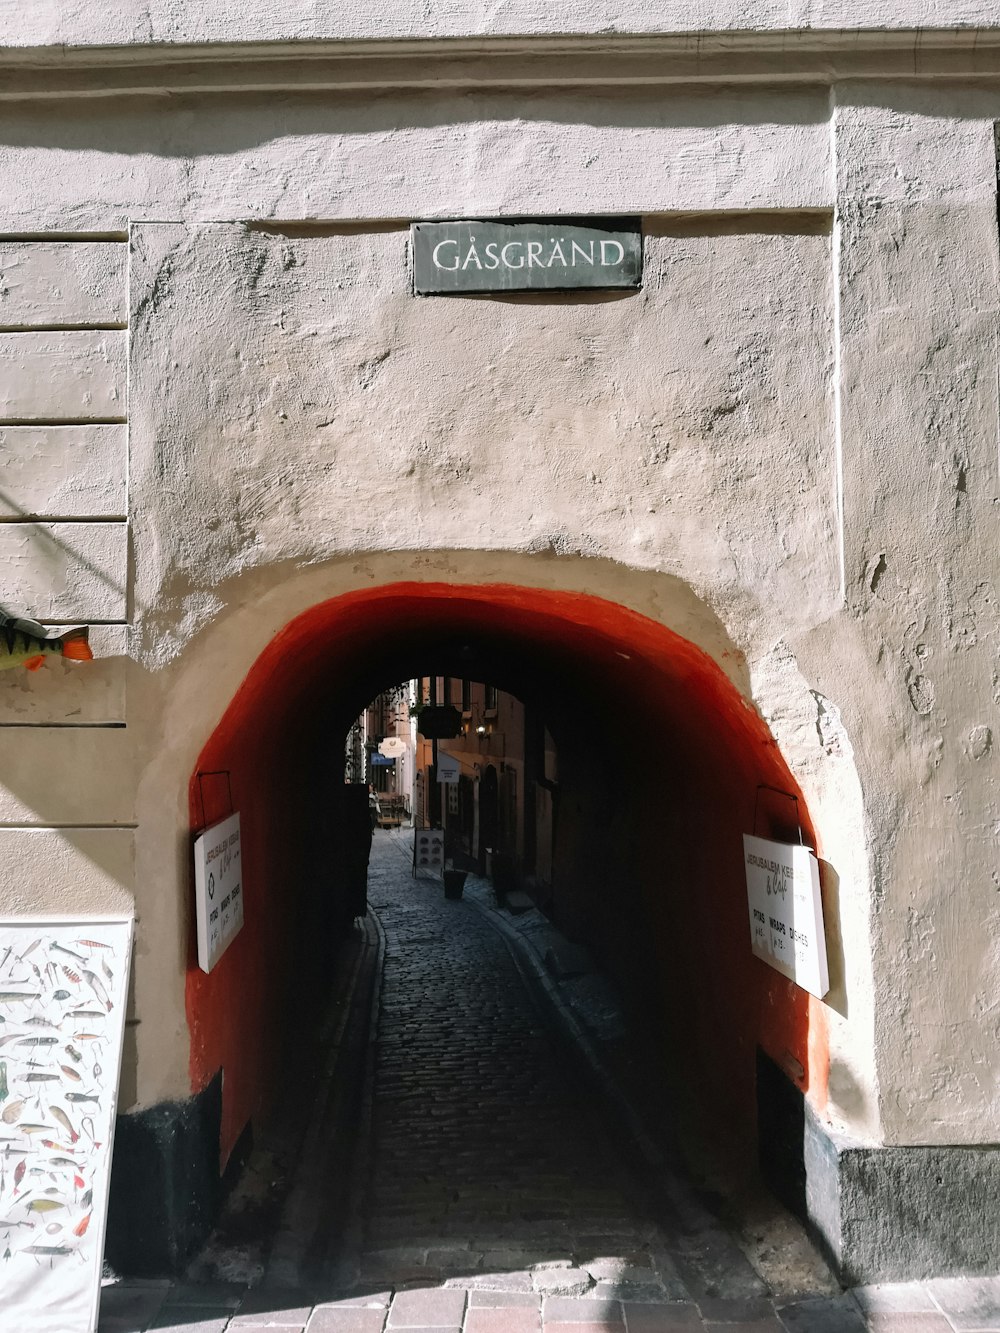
(880, 1214)
(165, 1184)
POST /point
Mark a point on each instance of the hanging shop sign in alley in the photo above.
(218, 883)
(786, 912)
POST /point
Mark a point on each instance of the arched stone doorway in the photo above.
(664, 851)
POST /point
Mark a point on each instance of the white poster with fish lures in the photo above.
(63, 996)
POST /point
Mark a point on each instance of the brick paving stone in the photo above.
(224, 1294)
(266, 1307)
(653, 1292)
(771, 1325)
(511, 1319)
(127, 1307)
(427, 1308)
(345, 1319)
(354, 1299)
(717, 1311)
(504, 1300)
(513, 1282)
(823, 1314)
(587, 1326)
(661, 1318)
(454, 1260)
(571, 1309)
(624, 1268)
(192, 1319)
(971, 1303)
(894, 1298)
(282, 1326)
(910, 1321)
(562, 1281)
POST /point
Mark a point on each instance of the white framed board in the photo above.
(786, 911)
(428, 850)
(218, 889)
(63, 996)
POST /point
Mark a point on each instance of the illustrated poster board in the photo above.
(786, 911)
(218, 890)
(428, 850)
(63, 995)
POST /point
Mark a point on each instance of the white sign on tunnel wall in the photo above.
(218, 889)
(786, 911)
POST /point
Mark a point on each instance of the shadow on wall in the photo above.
(187, 127)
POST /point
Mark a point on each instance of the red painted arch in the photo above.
(319, 667)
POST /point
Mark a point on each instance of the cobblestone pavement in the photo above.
(491, 1194)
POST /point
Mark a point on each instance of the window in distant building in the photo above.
(491, 696)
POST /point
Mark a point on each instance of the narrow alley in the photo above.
(492, 1188)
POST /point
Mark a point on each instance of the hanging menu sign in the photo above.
(786, 913)
(544, 254)
(218, 890)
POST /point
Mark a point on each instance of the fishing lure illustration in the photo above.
(26, 643)
(61, 948)
(59, 1114)
(97, 986)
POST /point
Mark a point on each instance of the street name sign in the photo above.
(542, 254)
(786, 912)
(218, 890)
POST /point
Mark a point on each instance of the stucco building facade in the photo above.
(747, 512)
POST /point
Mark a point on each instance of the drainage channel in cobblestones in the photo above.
(485, 1182)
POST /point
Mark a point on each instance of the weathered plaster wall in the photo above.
(919, 282)
(415, 154)
(342, 416)
(325, 409)
(784, 448)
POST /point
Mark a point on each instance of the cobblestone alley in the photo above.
(491, 1193)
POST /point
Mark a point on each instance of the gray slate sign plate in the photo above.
(541, 254)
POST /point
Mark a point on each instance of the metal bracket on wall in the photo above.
(789, 796)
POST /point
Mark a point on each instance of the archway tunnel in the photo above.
(662, 764)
